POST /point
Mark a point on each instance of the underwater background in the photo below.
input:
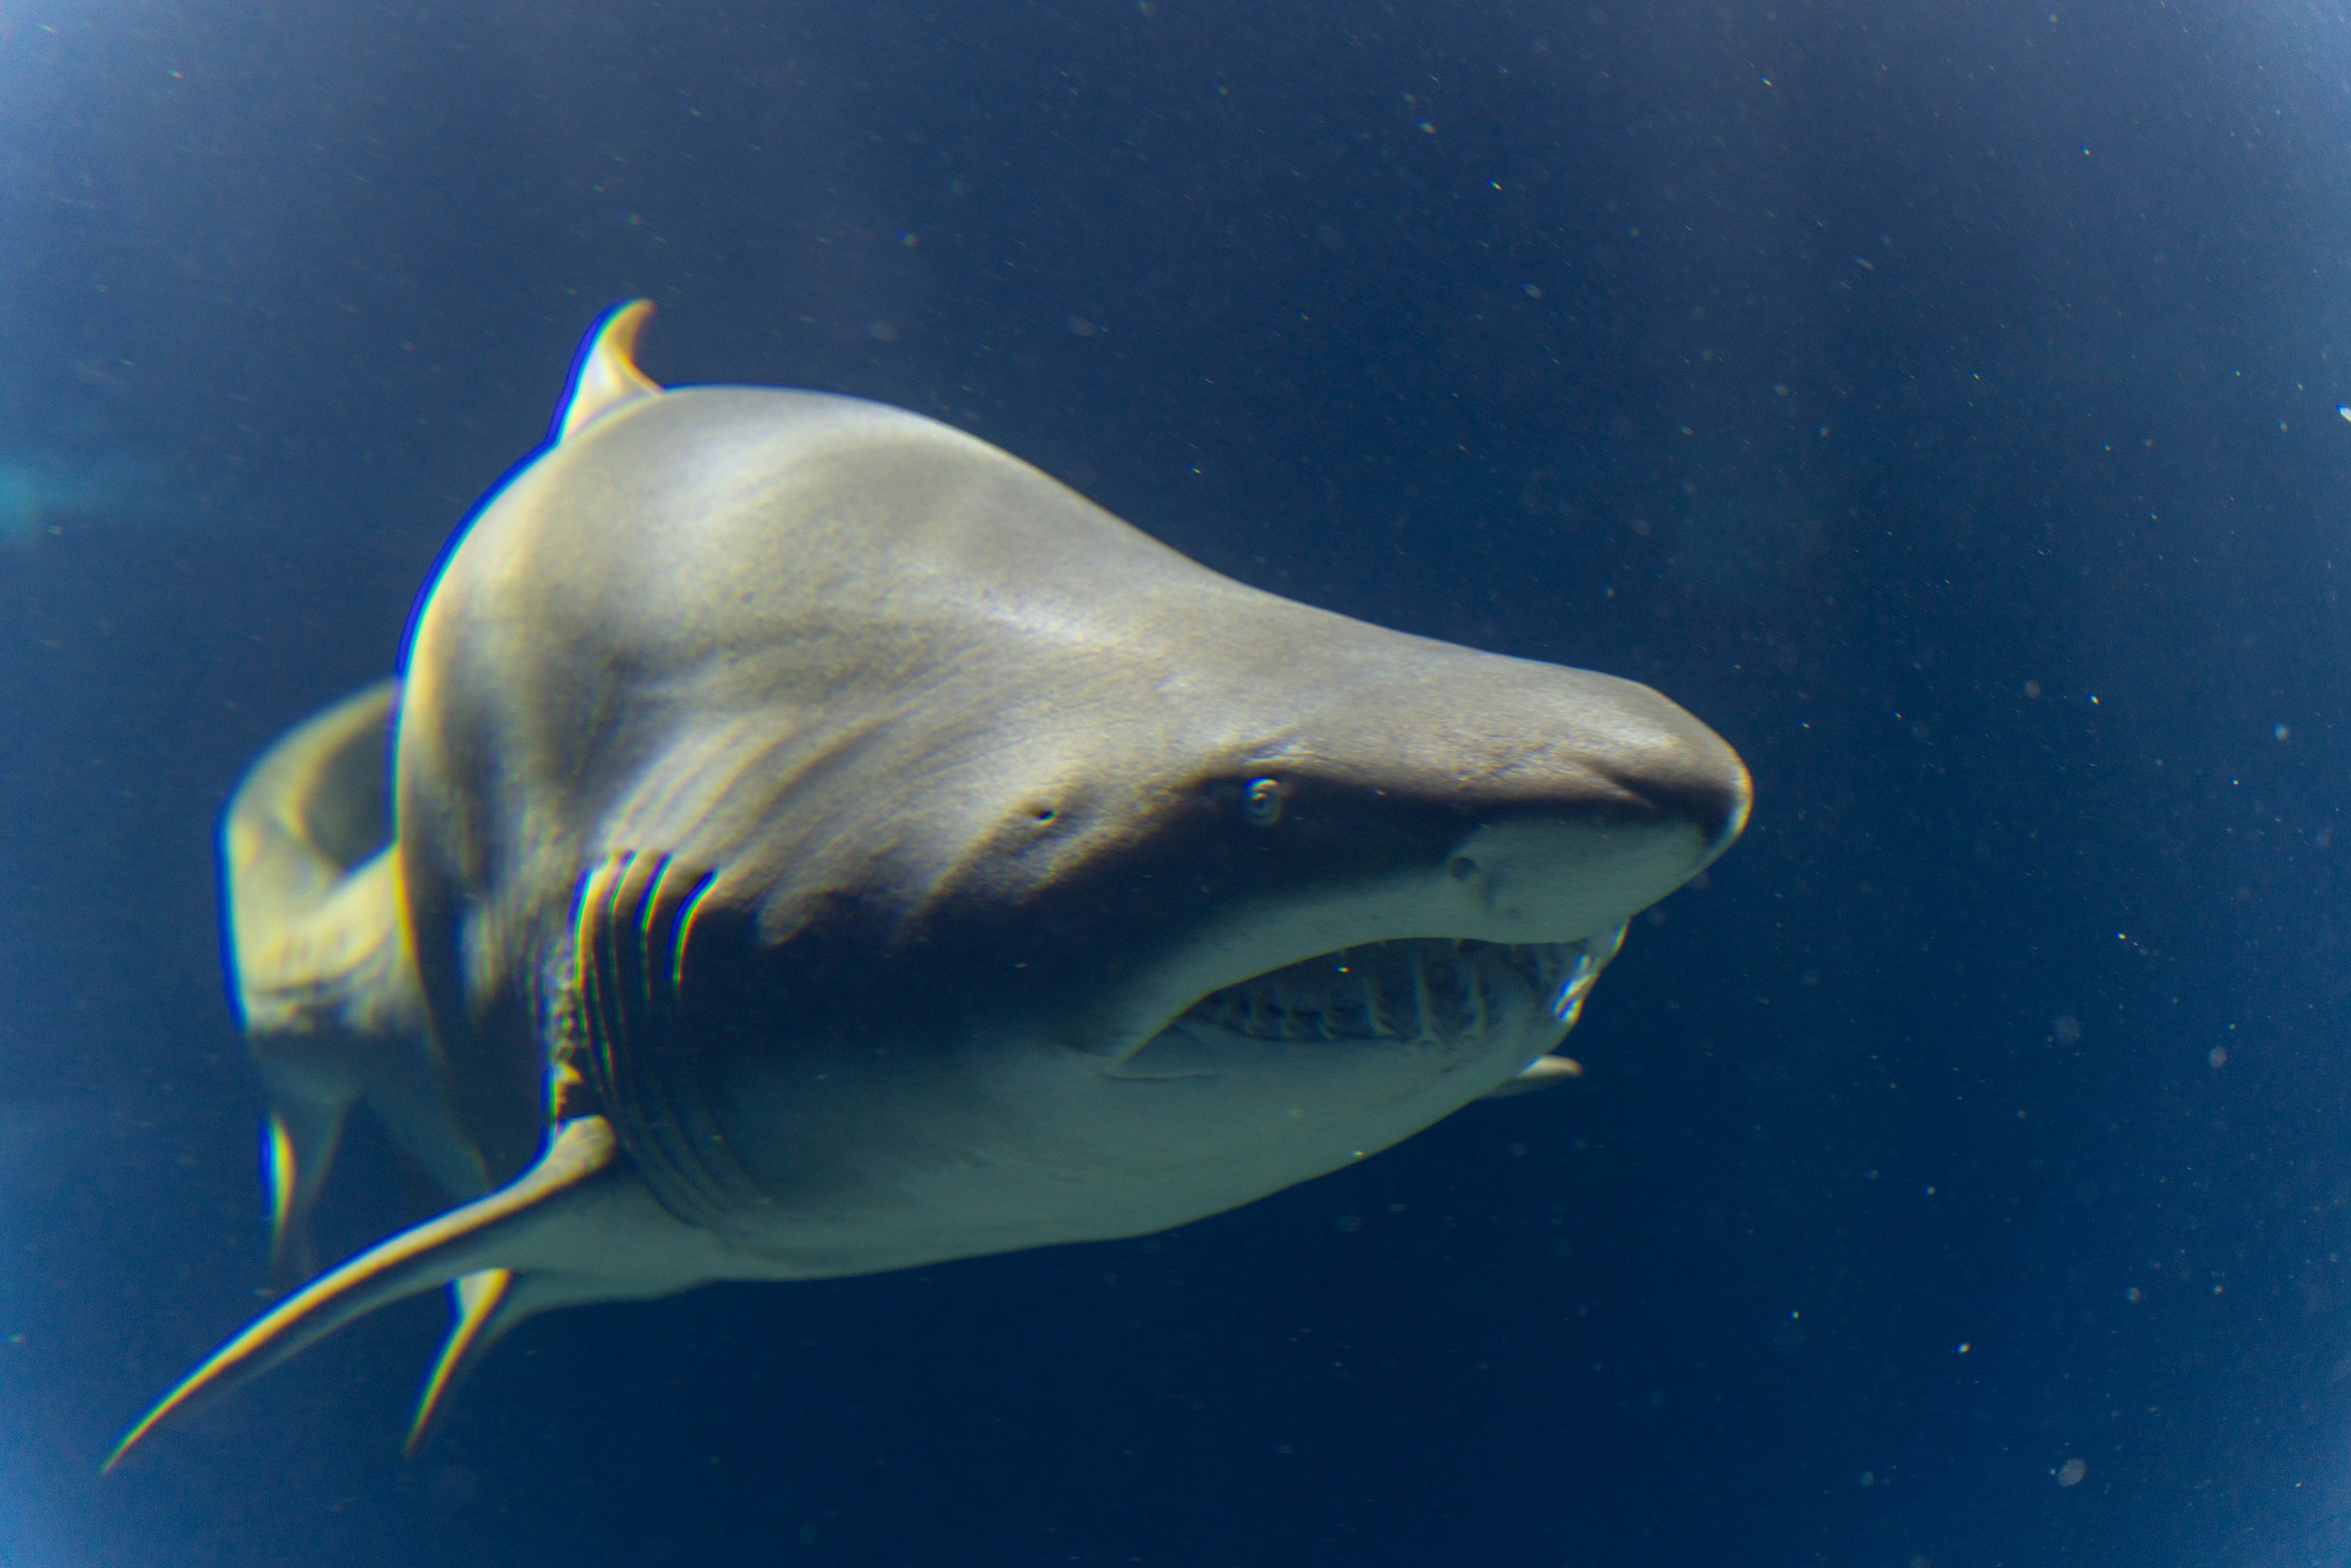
(1941, 400)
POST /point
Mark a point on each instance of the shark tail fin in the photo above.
(323, 979)
(478, 1244)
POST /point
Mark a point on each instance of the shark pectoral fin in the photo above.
(466, 1240)
(606, 376)
(1542, 1072)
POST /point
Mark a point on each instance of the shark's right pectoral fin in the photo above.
(580, 1216)
(325, 984)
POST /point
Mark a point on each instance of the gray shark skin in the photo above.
(822, 844)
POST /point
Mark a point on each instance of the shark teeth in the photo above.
(1422, 989)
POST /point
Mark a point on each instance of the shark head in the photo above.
(827, 845)
(1144, 958)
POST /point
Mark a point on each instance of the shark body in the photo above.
(821, 843)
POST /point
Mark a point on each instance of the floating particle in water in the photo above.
(2281, 732)
(2217, 1056)
(2065, 1029)
(881, 331)
(2343, 409)
(2070, 1472)
(2131, 1294)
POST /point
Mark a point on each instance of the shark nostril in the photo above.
(1462, 868)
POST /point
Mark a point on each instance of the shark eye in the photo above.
(1262, 801)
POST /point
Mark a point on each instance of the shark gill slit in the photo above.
(634, 965)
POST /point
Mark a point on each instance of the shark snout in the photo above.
(1585, 799)
(1680, 769)
(1497, 738)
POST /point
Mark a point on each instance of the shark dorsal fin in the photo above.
(606, 376)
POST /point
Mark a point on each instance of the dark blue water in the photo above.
(1939, 401)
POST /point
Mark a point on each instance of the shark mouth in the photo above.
(1452, 993)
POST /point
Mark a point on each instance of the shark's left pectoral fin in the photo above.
(1542, 1072)
(520, 1225)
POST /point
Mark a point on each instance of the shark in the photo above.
(804, 840)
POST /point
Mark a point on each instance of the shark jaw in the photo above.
(1259, 1085)
(1447, 998)
(1479, 963)
(1289, 1039)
